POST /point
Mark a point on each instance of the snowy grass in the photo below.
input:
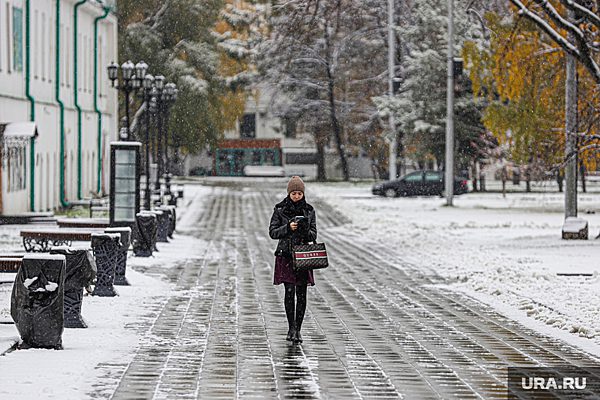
(504, 251)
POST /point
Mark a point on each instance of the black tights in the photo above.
(299, 292)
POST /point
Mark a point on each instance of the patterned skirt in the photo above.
(284, 272)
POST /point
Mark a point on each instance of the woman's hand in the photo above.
(293, 226)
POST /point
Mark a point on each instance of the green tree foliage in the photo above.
(177, 38)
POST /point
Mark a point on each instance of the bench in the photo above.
(96, 223)
(42, 240)
(10, 262)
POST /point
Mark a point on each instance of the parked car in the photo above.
(418, 183)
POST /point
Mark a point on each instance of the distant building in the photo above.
(271, 140)
(58, 113)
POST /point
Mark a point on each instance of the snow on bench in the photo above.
(41, 240)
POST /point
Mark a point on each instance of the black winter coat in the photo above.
(279, 228)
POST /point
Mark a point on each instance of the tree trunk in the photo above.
(559, 180)
(337, 131)
(374, 170)
(474, 172)
(321, 175)
(400, 167)
(481, 178)
(582, 174)
(504, 178)
(176, 170)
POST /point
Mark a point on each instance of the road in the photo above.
(376, 327)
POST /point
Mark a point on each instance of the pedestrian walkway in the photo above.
(375, 327)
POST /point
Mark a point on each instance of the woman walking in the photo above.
(293, 222)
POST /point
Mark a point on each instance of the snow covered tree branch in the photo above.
(583, 45)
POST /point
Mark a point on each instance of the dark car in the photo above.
(418, 183)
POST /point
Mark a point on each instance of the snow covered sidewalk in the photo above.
(116, 324)
(506, 252)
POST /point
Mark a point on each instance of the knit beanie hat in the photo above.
(295, 184)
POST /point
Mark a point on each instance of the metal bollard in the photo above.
(174, 221)
(170, 210)
(145, 234)
(37, 300)
(163, 226)
(80, 273)
(155, 236)
(121, 263)
(105, 247)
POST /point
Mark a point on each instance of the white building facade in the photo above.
(53, 58)
(298, 152)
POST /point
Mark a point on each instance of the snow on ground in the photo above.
(506, 252)
(113, 333)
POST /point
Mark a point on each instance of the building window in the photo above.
(100, 56)
(67, 44)
(51, 43)
(17, 39)
(36, 65)
(43, 36)
(8, 41)
(248, 126)
(16, 169)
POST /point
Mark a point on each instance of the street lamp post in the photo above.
(171, 96)
(131, 80)
(148, 85)
(393, 150)
(159, 84)
(449, 172)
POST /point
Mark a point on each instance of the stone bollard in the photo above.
(170, 210)
(105, 247)
(37, 300)
(121, 265)
(145, 233)
(163, 226)
(80, 273)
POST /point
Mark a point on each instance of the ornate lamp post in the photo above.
(131, 80)
(171, 95)
(148, 86)
(159, 84)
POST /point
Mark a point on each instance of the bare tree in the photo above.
(316, 56)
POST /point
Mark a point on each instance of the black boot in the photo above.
(291, 334)
(297, 337)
